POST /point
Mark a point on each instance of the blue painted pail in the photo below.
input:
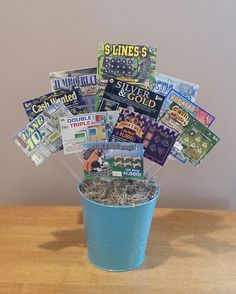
(117, 235)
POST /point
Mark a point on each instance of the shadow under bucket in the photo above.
(117, 235)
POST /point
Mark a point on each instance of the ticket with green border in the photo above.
(121, 160)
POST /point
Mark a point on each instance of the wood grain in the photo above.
(43, 250)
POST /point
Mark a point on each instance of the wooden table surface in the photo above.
(43, 250)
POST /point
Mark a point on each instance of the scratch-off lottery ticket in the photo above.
(165, 83)
(195, 110)
(158, 141)
(84, 79)
(130, 127)
(71, 99)
(120, 95)
(197, 141)
(42, 137)
(90, 127)
(131, 63)
(113, 160)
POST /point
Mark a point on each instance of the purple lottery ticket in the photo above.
(130, 127)
(158, 141)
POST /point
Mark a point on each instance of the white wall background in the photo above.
(196, 42)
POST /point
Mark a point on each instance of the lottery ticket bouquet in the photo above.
(118, 118)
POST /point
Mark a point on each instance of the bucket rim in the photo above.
(119, 206)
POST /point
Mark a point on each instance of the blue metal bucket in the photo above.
(117, 235)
